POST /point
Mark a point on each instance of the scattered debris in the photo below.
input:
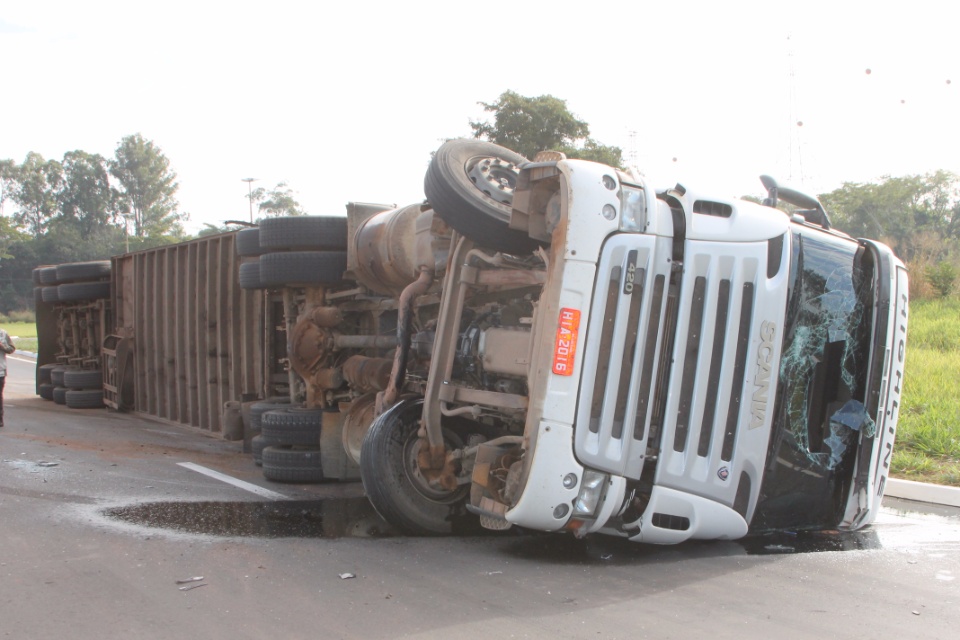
(193, 586)
(493, 573)
(189, 580)
(347, 576)
(43, 463)
(606, 557)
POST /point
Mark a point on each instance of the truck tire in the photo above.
(60, 395)
(247, 242)
(84, 398)
(303, 268)
(292, 464)
(83, 379)
(469, 184)
(393, 482)
(292, 427)
(48, 275)
(77, 291)
(46, 390)
(301, 233)
(82, 271)
(56, 374)
(36, 274)
(257, 409)
(43, 373)
(249, 275)
(49, 294)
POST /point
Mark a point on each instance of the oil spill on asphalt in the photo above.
(896, 528)
(329, 518)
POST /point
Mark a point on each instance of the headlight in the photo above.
(633, 209)
(591, 492)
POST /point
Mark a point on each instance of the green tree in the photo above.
(86, 197)
(529, 125)
(903, 211)
(9, 235)
(8, 176)
(278, 201)
(34, 187)
(149, 187)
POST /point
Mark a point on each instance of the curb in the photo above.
(922, 492)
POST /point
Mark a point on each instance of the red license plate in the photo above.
(565, 348)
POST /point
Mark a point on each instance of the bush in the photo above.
(23, 315)
(942, 277)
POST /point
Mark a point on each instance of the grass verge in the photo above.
(928, 435)
(24, 335)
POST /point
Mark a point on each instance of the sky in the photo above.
(345, 102)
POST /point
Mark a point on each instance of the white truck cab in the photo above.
(575, 351)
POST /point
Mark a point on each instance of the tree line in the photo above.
(917, 215)
(87, 207)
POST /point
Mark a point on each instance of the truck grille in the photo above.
(707, 377)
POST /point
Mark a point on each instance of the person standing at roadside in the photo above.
(6, 346)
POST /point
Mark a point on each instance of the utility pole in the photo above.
(250, 182)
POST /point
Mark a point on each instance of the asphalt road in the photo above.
(99, 520)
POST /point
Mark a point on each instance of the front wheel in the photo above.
(470, 184)
(392, 478)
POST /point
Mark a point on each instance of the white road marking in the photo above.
(240, 484)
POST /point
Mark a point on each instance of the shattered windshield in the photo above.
(820, 412)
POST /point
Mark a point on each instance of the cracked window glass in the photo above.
(820, 413)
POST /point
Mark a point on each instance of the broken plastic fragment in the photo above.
(854, 416)
(844, 424)
(193, 586)
(347, 576)
(189, 580)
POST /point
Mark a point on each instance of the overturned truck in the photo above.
(556, 345)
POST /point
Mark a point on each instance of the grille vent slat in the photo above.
(716, 362)
(739, 373)
(650, 347)
(690, 361)
(606, 341)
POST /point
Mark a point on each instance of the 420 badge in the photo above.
(565, 347)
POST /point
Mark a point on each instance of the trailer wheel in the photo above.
(257, 409)
(43, 373)
(304, 233)
(49, 294)
(250, 275)
(247, 242)
(78, 271)
(83, 291)
(303, 268)
(83, 379)
(56, 373)
(60, 395)
(47, 275)
(292, 464)
(470, 184)
(84, 398)
(46, 390)
(292, 427)
(392, 479)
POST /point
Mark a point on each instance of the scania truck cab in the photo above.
(577, 351)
